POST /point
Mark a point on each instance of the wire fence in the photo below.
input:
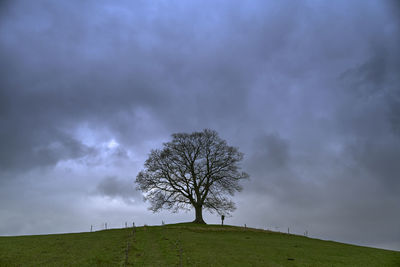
(106, 226)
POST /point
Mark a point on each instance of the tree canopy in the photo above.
(197, 170)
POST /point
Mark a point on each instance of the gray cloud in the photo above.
(309, 91)
(271, 152)
(113, 187)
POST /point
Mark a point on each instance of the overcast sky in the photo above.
(308, 90)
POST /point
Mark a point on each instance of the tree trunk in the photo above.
(199, 214)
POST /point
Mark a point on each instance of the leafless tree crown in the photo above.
(193, 170)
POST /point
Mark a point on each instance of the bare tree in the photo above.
(193, 170)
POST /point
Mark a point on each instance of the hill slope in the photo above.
(186, 245)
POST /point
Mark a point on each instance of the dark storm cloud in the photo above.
(114, 187)
(62, 78)
(23, 149)
(103, 67)
(369, 117)
(308, 90)
(271, 152)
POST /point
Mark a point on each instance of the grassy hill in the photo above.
(186, 245)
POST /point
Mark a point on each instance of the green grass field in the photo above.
(186, 245)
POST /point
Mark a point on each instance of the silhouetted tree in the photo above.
(193, 170)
